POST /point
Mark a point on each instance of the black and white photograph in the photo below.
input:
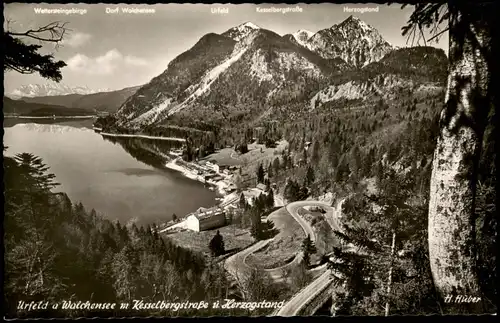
(249, 160)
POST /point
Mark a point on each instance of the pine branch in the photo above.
(439, 34)
(422, 18)
(55, 29)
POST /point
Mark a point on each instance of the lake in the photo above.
(121, 178)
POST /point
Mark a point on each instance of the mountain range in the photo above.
(108, 101)
(35, 109)
(247, 70)
(50, 89)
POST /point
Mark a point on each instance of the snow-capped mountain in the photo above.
(239, 32)
(220, 69)
(302, 36)
(50, 89)
(353, 40)
(101, 101)
(247, 69)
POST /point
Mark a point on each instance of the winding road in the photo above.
(293, 209)
(295, 306)
(237, 265)
(320, 285)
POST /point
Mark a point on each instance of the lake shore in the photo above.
(48, 117)
(191, 170)
(189, 173)
(117, 178)
(140, 136)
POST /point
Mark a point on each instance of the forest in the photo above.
(56, 250)
(418, 174)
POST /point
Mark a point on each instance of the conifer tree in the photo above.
(216, 245)
(24, 58)
(310, 177)
(270, 199)
(308, 248)
(260, 174)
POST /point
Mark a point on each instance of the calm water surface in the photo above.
(123, 179)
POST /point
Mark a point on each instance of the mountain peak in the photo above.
(352, 17)
(241, 31)
(303, 32)
(302, 36)
(248, 24)
(354, 21)
(353, 40)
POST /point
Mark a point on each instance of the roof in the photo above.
(209, 213)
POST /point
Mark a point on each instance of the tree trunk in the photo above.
(389, 281)
(454, 170)
(333, 308)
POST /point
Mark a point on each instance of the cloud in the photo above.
(77, 39)
(105, 64)
(132, 60)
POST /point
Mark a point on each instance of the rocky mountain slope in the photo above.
(247, 70)
(239, 32)
(263, 63)
(352, 40)
(415, 71)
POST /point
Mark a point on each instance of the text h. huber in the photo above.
(461, 299)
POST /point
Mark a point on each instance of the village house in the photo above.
(212, 166)
(210, 176)
(250, 195)
(229, 212)
(231, 188)
(217, 178)
(206, 219)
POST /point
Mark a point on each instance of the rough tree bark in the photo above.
(454, 170)
(389, 280)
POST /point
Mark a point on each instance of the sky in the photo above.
(106, 50)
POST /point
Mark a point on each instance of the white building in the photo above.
(213, 166)
(206, 219)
